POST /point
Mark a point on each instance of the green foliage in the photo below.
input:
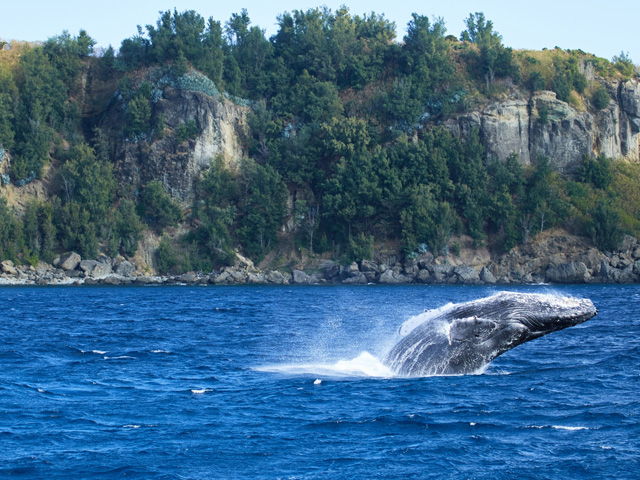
(39, 230)
(605, 226)
(167, 259)
(360, 248)
(596, 171)
(624, 65)
(66, 54)
(88, 181)
(128, 228)
(600, 97)
(263, 207)
(76, 231)
(156, 207)
(187, 131)
(138, 118)
(11, 233)
(493, 58)
(214, 207)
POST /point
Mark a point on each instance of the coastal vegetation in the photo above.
(345, 141)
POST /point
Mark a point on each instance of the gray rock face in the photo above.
(67, 261)
(277, 278)
(357, 279)
(349, 271)
(222, 131)
(124, 268)
(572, 272)
(544, 125)
(486, 276)
(393, 278)
(332, 271)
(95, 269)
(301, 278)
(441, 273)
(467, 275)
(368, 266)
(187, 278)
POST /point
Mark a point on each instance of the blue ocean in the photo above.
(264, 382)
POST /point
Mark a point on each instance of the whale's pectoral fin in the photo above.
(471, 329)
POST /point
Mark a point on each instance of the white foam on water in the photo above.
(573, 429)
(364, 365)
(200, 391)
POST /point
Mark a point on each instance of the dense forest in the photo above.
(344, 122)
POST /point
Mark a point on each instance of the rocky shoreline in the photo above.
(556, 259)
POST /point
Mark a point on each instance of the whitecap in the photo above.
(560, 427)
(317, 381)
(200, 391)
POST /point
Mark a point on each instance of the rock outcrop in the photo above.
(544, 125)
(222, 131)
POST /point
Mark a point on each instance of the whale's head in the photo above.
(532, 315)
(465, 337)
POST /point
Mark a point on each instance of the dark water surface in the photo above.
(272, 382)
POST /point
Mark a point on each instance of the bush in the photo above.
(606, 228)
(156, 207)
(360, 248)
(166, 257)
(600, 97)
(187, 131)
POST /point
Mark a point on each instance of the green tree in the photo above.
(128, 228)
(156, 207)
(494, 58)
(605, 226)
(138, 118)
(263, 208)
(600, 97)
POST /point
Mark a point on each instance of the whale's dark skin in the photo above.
(463, 338)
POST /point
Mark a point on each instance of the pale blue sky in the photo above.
(594, 26)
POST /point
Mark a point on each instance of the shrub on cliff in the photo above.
(156, 207)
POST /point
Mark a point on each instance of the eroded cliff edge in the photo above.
(540, 124)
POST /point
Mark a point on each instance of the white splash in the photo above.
(413, 322)
(364, 365)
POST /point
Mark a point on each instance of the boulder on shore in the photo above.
(95, 269)
(67, 261)
(572, 272)
(8, 268)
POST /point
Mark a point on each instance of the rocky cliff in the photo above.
(222, 131)
(543, 125)
(528, 126)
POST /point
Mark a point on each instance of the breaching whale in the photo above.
(464, 338)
